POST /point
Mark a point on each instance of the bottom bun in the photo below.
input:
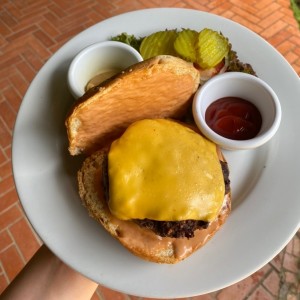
(138, 240)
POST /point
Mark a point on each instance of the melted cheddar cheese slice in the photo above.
(161, 170)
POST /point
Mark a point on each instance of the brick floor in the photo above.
(32, 30)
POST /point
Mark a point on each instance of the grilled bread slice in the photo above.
(160, 87)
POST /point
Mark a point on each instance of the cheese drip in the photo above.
(161, 170)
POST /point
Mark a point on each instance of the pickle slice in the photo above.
(212, 47)
(159, 43)
(185, 44)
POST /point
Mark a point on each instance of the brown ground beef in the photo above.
(173, 229)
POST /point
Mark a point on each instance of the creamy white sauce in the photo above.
(99, 78)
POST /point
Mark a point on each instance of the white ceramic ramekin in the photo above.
(245, 86)
(96, 58)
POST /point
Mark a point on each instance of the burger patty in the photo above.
(172, 229)
(225, 171)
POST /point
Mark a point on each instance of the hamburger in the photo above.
(150, 178)
(161, 189)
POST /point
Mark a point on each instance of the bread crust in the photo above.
(140, 241)
(160, 87)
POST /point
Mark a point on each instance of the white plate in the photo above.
(265, 181)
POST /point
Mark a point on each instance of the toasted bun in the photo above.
(140, 241)
(160, 87)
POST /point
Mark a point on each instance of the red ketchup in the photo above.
(234, 118)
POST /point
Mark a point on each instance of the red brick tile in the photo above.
(246, 6)
(289, 19)
(240, 289)
(31, 57)
(12, 9)
(296, 67)
(68, 34)
(43, 38)
(291, 278)
(126, 6)
(289, 247)
(8, 19)
(79, 8)
(12, 262)
(3, 158)
(4, 29)
(8, 62)
(8, 199)
(56, 47)
(5, 170)
(228, 14)
(3, 283)
(59, 9)
(296, 246)
(19, 83)
(39, 49)
(279, 38)
(274, 29)
(7, 152)
(291, 57)
(5, 240)
(260, 274)
(267, 12)
(8, 115)
(212, 4)
(13, 97)
(221, 9)
(169, 3)
(285, 47)
(3, 42)
(75, 20)
(26, 70)
(290, 262)
(267, 22)
(24, 238)
(263, 4)
(6, 185)
(34, 9)
(49, 28)
(9, 216)
(197, 5)
(21, 33)
(284, 3)
(244, 14)
(246, 23)
(4, 83)
(25, 22)
(51, 18)
(272, 282)
(260, 294)
(277, 261)
(296, 41)
(179, 4)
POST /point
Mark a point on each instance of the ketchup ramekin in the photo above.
(245, 86)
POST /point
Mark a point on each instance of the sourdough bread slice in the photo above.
(160, 87)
